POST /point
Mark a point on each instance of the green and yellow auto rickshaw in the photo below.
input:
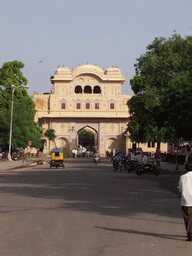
(57, 158)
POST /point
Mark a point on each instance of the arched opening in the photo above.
(96, 89)
(78, 89)
(88, 138)
(87, 89)
(112, 143)
(62, 143)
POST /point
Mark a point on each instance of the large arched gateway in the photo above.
(85, 98)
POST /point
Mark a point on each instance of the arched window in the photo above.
(112, 104)
(97, 104)
(87, 89)
(87, 104)
(78, 89)
(63, 104)
(78, 104)
(96, 89)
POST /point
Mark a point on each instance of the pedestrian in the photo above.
(80, 152)
(185, 188)
(73, 152)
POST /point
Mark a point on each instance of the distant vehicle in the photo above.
(57, 158)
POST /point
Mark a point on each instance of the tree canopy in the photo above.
(23, 126)
(161, 108)
(50, 134)
(86, 138)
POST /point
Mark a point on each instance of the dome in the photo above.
(91, 69)
(62, 71)
(113, 71)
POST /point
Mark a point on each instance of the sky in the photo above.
(76, 32)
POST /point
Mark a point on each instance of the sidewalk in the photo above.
(6, 165)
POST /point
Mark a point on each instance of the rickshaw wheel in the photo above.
(50, 166)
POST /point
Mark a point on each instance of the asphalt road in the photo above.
(88, 210)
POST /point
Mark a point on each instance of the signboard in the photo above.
(29, 143)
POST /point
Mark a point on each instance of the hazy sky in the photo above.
(72, 32)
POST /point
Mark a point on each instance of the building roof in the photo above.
(110, 74)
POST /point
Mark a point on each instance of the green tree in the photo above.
(86, 137)
(161, 109)
(23, 126)
(50, 134)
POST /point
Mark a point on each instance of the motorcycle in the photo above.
(130, 165)
(149, 168)
(118, 166)
(16, 156)
(96, 159)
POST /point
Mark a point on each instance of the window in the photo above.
(87, 89)
(78, 89)
(112, 105)
(96, 89)
(87, 106)
(78, 106)
(62, 105)
(96, 105)
(40, 122)
(151, 144)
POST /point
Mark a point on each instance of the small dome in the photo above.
(113, 71)
(62, 71)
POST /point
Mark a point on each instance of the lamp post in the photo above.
(14, 87)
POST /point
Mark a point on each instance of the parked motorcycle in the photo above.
(16, 156)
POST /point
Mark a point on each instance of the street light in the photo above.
(14, 87)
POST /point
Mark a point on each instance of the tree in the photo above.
(24, 127)
(161, 109)
(86, 138)
(50, 134)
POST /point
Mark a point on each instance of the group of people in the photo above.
(140, 158)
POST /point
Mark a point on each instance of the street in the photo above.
(89, 210)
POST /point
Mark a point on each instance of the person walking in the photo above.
(185, 188)
(73, 152)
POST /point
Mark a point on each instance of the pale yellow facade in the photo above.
(85, 98)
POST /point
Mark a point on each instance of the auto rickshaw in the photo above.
(57, 158)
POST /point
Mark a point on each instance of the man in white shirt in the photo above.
(73, 152)
(139, 158)
(145, 160)
(134, 157)
(185, 188)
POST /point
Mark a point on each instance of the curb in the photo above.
(23, 166)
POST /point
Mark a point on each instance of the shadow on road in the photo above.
(172, 237)
(95, 189)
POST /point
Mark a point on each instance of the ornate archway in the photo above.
(87, 137)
